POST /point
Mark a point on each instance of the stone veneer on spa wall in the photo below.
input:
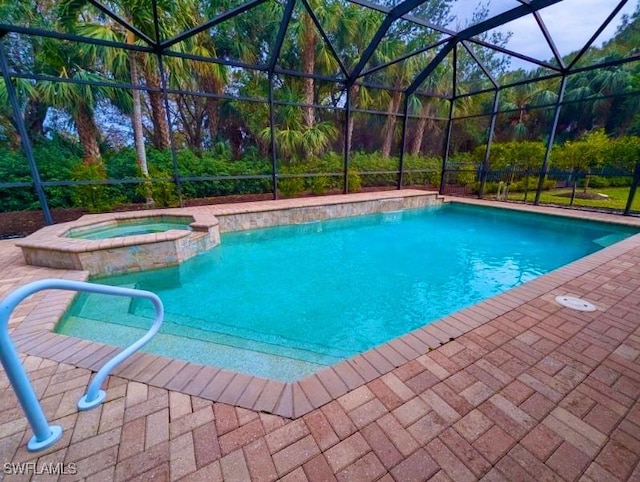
(53, 248)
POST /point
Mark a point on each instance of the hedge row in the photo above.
(59, 161)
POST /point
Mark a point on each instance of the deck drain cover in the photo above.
(575, 303)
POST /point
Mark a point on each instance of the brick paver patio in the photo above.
(537, 392)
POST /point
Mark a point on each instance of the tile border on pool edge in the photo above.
(34, 336)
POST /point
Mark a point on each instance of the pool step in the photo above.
(94, 306)
(610, 239)
(242, 359)
(298, 348)
(187, 327)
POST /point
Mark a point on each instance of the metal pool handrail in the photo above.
(46, 435)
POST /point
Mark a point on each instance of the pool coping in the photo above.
(34, 334)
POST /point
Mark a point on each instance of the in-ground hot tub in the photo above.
(107, 244)
(115, 228)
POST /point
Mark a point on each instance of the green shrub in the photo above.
(95, 197)
(319, 184)
(620, 181)
(163, 189)
(291, 186)
(489, 187)
(530, 183)
(595, 182)
(354, 180)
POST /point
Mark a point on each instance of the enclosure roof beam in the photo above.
(297, 73)
(512, 84)
(114, 16)
(403, 57)
(477, 29)
(284, 24)
(597, 33)
(635, 57)
(504, 17)
(38, 32)
(408, 18)
(453, 33)
(74, 81)
(550, 41)
(210, 23)
(428, 70)
(212, 60)
(394, 14)
(513, 53)
(480, 64)
(325, 37)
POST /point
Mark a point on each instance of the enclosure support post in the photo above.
(282, 30)
(174, 155)
(544, 170)
(272, 133)
(632, 190)
(347, 137)
(403, 140)
(165, 98)
(24, 138)
(447, 144)
(452, 100)
(487, 152)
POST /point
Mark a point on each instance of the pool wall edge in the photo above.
(33, 336)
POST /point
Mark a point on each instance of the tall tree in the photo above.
(403, 38)
(79, 100)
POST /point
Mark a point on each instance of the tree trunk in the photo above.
(355, 92)
(136, 120)
(192, 122)
(34, 117)
(415, 143)
(308, 53)
(136, 117)
(212, 85)
(161, 138)
(88, 134)
(390, 123)
(586, 180)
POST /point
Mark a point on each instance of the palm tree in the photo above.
(294, 138)
(306, 51)
(209, 77)
(520, 100)
(308, 40)
(125, 64)
(26, 92)
(355, 29)
(395, 76)
(63, 60)
(427, 109)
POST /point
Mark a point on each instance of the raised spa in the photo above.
(131, 227)
(108, 244)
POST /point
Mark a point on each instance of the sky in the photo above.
(571, 23)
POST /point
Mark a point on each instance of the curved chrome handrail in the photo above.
(46, 435)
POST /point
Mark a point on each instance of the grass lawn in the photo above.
(617, 198)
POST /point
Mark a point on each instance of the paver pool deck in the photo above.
(525, 390)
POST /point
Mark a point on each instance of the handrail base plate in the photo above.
(34, 446)
(84, 404)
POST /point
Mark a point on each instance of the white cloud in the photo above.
(571, 24)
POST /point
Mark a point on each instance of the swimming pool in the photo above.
(284, 302)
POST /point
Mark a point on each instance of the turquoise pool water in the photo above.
(127, 229)
(283, 302)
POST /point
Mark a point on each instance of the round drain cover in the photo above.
(575, 303)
